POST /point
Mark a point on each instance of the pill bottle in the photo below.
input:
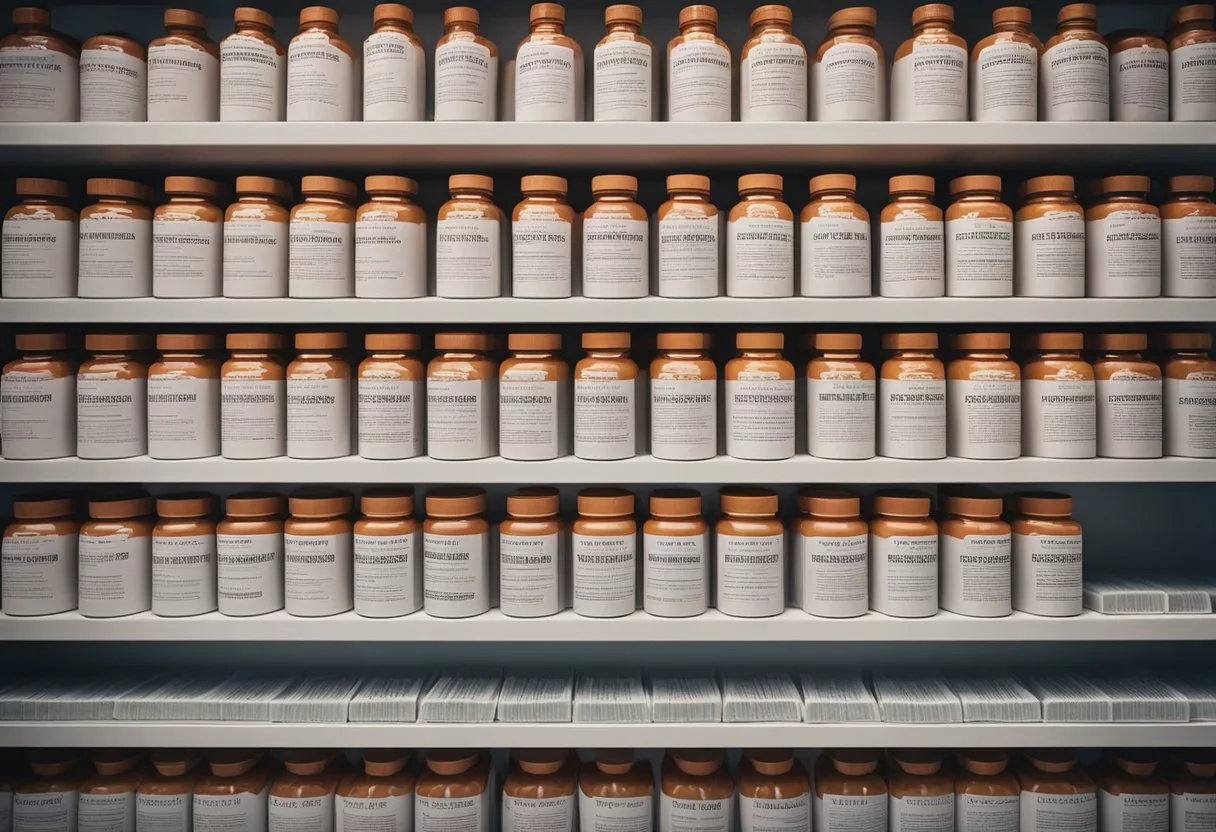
(1123, 240)
(683, 398)
(253, 397)
(321, 254)
(115, 246)
(1189, 379)
(53, 791)
(607, 398)
(1049, 236)
(986, 793)
(387, 554)
(184, 556)
(624, 71)
(697, 790)
(849, 74)
(1129, 397)
(751, 553)
(187, 235)
(318, 397)
(461, 397)
(235, 791)
(394, 67)
(1046, 555)
(42, 71)
(166, 796)
(322, 79)
(929, 76)
(1053, 786)
(903, 555)
(38, 399)
(912, 398)
(115, 577)
(110, 794)
(304, 794)
(760, 398)
(391, 396)
(390, 238)
(183, 70)
(38, 559)
(456, 553)
(760, 240)
(772, 67)
(976, 553)
(253, 70)
(616, 248)
(454, 790)
(1131, 790)
(534, 398)
(466, 69)
(921, 792)
(699, 71)
(1188, 220)
(1139, 76)
(676, 555)
(615, 789)
(256, 261)
(1005, 69)
(1192, 46)
(773, 789)
(690, 240)
(469, 240)
(841, 391)
(1059, 410)
(113, 79)
(1192, 786)
(530, 542)
(604, 547)
(542, 240)
(382, 793)
(1074, 73)
(984, 398)
(184, 398)
(249, 554)
(849, 792)
(548, 69)
(38, 258)
(912, 251)
(112, 397)
(317, 554)
(831, 553)
(835, 238)
(539, 790)
(979, 239)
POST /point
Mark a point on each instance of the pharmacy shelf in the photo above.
(571, 470)
(713, 626)
(652, 310)
(634, 146)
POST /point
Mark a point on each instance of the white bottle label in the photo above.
(1005, 83)
(468, 258)
(374, 814)
(976, 575)
(186, 259)
(1140, 85)
(985, 418)
(604, 574)
(318, 418)
(220, 813)
(111, 417)
(249, 573)
(849, 84)
(1193, 82)
(838, 813)
(466, 82)
(683, 419)
(771, 814)
(388, 574)
(530, 569)
(183, 416)
(841, 417)
(986, 813)
(1050, 255)
(456, 574)
(321, 259)
(616, 258)
(930, 84)
(903, 575)
(605, 418)
(979, 258)
(836, 257)
(681, 815)
(751, 575)
(38, 574)
(453, 814)
(690, 255)
(1124, 254)
(1189, 257)
(390, 259)
(529, 814)
(115, 575)
(183, 84)
(37, 415)
(1133, 812)
(675, 574)
(912, 258)
(320, 80)
(623, 74)
(616, 814)
(394, 78)
(1064, 812)
(1190, 416)
(532, 421)
(546, 87)
(317, 574)
(253, 78)
(542, 257)
(699, 82)
(760, 418)
(1047, 574)
(461, 419)
(183, 575)
(760, 258)
(1129, 417)
(301, 814)
(1059, 418)
(1192, 812)
(253, 418)
(115, 258)
(773, 86)
(163, 812)
(835, 575)
(256, 261)
(912, 418)
(38, 85)
(390, 418)
(38, 258)
(922, 814)
(113, 86)
(1074, 78)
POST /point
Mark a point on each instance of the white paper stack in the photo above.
(1200, 692)
(685, 697)
(73, 700)
(388, 699)
(1144, 699)
(611, 697)
(176, 700)
(462, 696)
(1121, 596)
(995, 699)
(916, 699)
(1067, 697)
(837, 697)
(760, 697)
(537, 697)
(315, 699)
(1184, 597)
(245, 697)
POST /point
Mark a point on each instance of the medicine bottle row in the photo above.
(971, 790)
(1122, 245)
(464, 404)
(828, 561)
(1078, 75)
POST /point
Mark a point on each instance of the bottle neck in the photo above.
(979, 196)
(246, 354)
(687, 355)
(183, 354)
(118, 200)
(43, 200)
(912, 199)
(985, 355)
(914, 353)
(614, 196)
(607, 353)
(403, 25)
(552, 197)
(771, 354)
(1126, 197)
(688, 196)
(699, 26)
(851, 29)
(461, 26)
(1050, 197)
(624, 26)
(255, 199)
(770, 26)
(532, 355)
(1077, 26)
(1012, 26)
(935, 26)
(467, 355)
(1121, 355)
(319, 25)
(389, 197)
(253, 26)
(760, 195)
(325, 199)
(394, 355)
(472, 196)
(552, 27)
(187, 32)
(318, 354)
(187, 199)
(840, 355)
(1183, 196)
(39, 356)
(111, 356)
(834, 196)
(1063, 355)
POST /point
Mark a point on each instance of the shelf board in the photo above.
(635, 146)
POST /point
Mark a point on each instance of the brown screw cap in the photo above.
(254, 504)
(392, 12)
(33, 186)
(461, 14)
(918, 761)
(1077, 11)
(263, 186)
(1045, 504)
(1186, 340)
(232, 762)
(534, 342)
(470, 182)
(1120, 341)
(547, 11)
(191, 186)
(675, 502)
(688, 182)
(911, 184)
(623, 13)
(605, 502)
(319, 503)
(985, 762)
(760, 182)
(1011, 14)
(606, 341)
(177, 506)
(614, 183)
(909, 341)
(834, 504)
(854, 16)
(184, 17)
(306, 761)
(760, 341)
(1070, 341)
(1052, 760)
(698, 762)
(983, 184)
(42, 507)
(748, 501)
(121, 507)
(174, 762)
(448, 762)
(933, 12)
(1188, 14)
(193, 341)
(1138, 762)
(843, 341)
(845, 182)
(253, 341)
(543, 184)
(382, 184)
(247, 14)
(614, 760)
(479, 341)
(1049, 185)
(698, 14)
(330, 186)
(541, 761)
(975, 504)
(313, 15)
(320, 340)
(1192, 184)
(455, 501)
(384, 762)
(981, 341)
(683, 341)
(387, 502)
(41, 341)
(1126, 185)
(902, 503)
(392, 341)
(534, 501)
(770, 14)
(53, 762)
(31, 16)
(118, 189)
(770, 761)
(853, 762)
(111, 342)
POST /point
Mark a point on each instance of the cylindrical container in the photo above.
(774, 790)
(841, 390)
(318, 397)
(1005, 69)
(772, 68)
(676, 555)
(109, 795)
(1046, 556)
(113, 79)
(1190, 395)
(456, 553)
(38, 258)
(466, 69)
(41, 79)
(253, 397)
(760, 399)
(317, 554)
(1123, 241)
(184, 398)
(979, 240)
(548, 69)
(1054, 790)
(976, 552)
(183, 70)
(322, 79)
(849, 792)
(606, 398)
(1192, 786)
(1059, 411)
(984, 398)
(831, 556)
(542, 240)
(382, 794)
(256, 261)
(912, 398)
(388, 554)
(531, 563)
(539, 791)
(1074, 73)
(1050, 240)
(461, 397)
(604, 540)
(534, 398)
(903, 555)
(235, 791)
(454, 788)
(249, 555)
(690, 240)
(184, 556)
(1188, 225)
(394, 67)
(38, 560)
(253, 70)
(115, 247)
(115, 571)
(1192, 58)
(304, 794)
(1131, 790)
(187, 237)
(1139, 76)
(922, 794)
(912, 251)
(390, 236)
(624, 73)
(38, 399)
(53, 791)
(986, 793)
(849, 74)
(616, 241)
(750, 553)
(391, 396)
(929, 74)
(616, 789)
(112, 398)
(683, 398)
(699, 71)
(166, 797)
(697, 790)
(469, 240)
(760, 240)
(1130, 417)
(321, 255)
(835, 257)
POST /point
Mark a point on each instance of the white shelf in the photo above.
(636, 146)
(494, 627)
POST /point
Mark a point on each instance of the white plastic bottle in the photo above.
(394, 67)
